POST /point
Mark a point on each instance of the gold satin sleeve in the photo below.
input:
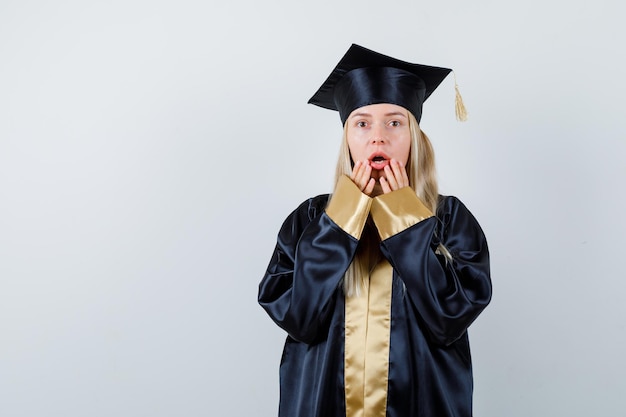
(349, 207)
(398, 210)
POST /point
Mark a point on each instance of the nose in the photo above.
(378, 136)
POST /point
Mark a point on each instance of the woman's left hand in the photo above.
(395, 177)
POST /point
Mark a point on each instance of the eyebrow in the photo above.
(364, 114)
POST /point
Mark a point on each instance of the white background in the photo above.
(150, 150)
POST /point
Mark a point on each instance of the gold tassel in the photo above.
(459, 107)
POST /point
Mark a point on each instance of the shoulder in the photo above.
(308, 210)
(452, 212)
(449, 204)
(316, 205)
(300, 218)
(312, 207)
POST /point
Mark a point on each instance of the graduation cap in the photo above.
(363, 77)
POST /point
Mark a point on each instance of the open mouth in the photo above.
(379, 161)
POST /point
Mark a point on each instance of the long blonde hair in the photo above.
(422, 178)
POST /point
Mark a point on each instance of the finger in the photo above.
(390, 177)
(384, 184)
(355, 169)
(397, 174)
(357, 174)
(362, 174)
(400, 174)
(405, 176)
(370, 186)
(367, 174)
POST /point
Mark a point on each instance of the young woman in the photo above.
(377, 284)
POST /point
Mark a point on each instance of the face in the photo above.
(378, 133)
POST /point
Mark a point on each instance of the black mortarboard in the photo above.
(364, 77)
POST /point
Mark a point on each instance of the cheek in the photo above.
(403, 151)
(357, 150)
(405, 155)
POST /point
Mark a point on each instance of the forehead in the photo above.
(380, 109)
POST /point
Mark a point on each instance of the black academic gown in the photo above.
(432, 303)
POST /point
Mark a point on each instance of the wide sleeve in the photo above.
(448, 294)
(313, 251)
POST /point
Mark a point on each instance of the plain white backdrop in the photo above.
(150, 150)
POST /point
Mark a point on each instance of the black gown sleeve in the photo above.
(447, 294)
(311, 256)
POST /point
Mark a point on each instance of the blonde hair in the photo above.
(422, 178)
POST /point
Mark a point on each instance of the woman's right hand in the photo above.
(362, 176)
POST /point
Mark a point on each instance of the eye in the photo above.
(394, 123)
(361, 123)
